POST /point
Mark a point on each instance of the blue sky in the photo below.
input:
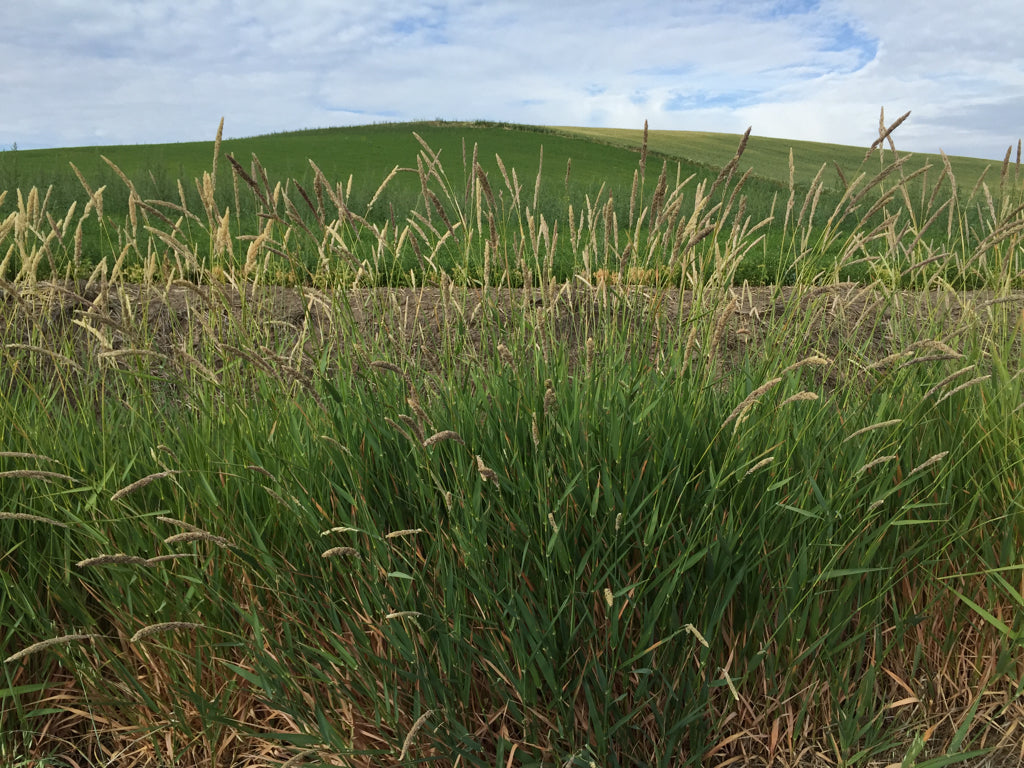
(82, 72)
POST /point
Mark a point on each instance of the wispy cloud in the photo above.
(79, 72)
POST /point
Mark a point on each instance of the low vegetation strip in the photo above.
(648, 515)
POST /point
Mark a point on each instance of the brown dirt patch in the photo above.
(427, 324)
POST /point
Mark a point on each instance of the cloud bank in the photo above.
(78, 72)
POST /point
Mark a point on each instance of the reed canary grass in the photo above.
(945, 381)
(799, 397)
(63, 359)
(20, 455)
(402, 615)
(963, 386)
(298, 759)
(888, 360)
(36, 474)
(402, 533)
(935, 345)
(886, 133)
(927, 359)
(723, 319)
(340, 529)
(397, 427)
(342, 552)
(141, 483)
(550, 401)
(696, 633)
(276, 496)
(609, 597)
(31, 518)
(445, 434)
(749, 401)
(506, 356)
(384, 365)
(931, 460)
(190, 536)
(412, 733)
(871, 428)
(41, 646)
(552, 523)
(260, 470)
(814, 361)
(534, 431)
(486, 473)
(414, 425)
(417, 409)
(167, 626)
(115, 353)
(728, 682)
(762, 463)
(118, 559)
(179, 523)
(175, 556)
(875, 462)
(343, 448)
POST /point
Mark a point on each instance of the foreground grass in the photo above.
(569, 525)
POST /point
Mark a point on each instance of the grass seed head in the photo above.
(412, 733)
(935, 459)
(167, 626)
(179, 523)
(118, 559)
(506, 356)
(550, 399)
(762, 463)
(341, 552)
(62, 640)
(875, 462)
(36, 474)
(142, 483)
(799, 397)
(404, 532)
(966, 384)
(872, 427)
(190, 536)
(486, 473)
(446, 434)
(748, 402)
(32, 518)
(696, 633)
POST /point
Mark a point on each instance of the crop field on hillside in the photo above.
(550, 174)
(501, 459)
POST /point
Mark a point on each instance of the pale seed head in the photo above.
(167, 626)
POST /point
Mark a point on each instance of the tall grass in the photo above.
(642, 517)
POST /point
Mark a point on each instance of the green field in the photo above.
(547, 172)
(769, 157)
(476, 465)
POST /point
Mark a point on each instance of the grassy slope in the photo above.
(367, 153)
(769, 157)
(603, 163)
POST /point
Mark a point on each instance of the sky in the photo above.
(100, 72)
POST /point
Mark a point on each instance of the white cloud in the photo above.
(81, 72)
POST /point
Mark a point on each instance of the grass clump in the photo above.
(650, 515)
